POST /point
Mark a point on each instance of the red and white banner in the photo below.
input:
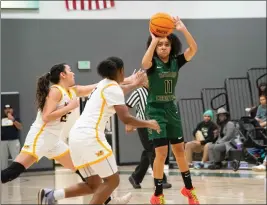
(89, 4)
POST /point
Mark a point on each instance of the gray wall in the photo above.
(227, 48)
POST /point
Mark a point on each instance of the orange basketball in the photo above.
(161, 24)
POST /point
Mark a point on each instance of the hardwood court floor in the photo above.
(213, 187)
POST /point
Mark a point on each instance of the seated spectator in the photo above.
(261, 115)
(227, 132)
(262, 90)
(260, 168)
(204, 135)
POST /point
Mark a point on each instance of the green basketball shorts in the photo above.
(168, 117)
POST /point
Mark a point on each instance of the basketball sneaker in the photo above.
(259, 168)
(191, 195)
(121, 200)
(46, 196)
(157, 199)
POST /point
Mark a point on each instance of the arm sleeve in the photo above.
(114, 95)
(181, 61)
(133, 99)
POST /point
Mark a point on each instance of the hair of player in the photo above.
(118, 61)
(176, 45)
(43, 84)
(110, 67)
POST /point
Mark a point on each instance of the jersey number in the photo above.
(168, 86)
(64, 117)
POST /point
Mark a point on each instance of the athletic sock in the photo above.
(159, 187)
(187, 179)
(108, 200)
(59, 194)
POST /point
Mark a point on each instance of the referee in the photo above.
(138, 99)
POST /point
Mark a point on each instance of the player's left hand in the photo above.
(139, 78)
(179, 25)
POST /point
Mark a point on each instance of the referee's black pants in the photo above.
(147, 157)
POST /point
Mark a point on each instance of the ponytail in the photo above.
(42, 90)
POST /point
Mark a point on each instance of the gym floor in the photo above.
(213, 187)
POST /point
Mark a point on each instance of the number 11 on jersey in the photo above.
(168, 86)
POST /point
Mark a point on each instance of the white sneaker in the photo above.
(259, 168)
(121, 200)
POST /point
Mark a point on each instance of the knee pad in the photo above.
(12, 172)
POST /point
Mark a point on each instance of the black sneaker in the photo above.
(216, 165)
(166, 185)
(135, 184)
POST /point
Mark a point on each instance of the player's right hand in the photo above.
(153, 124)
(73, 104)
(153, 36)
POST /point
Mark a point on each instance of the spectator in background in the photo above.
(138, 99)
(227, 132)
(261, 115)
(204, 135)
(9, 136)
(262, 90)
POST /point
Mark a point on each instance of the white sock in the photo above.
(59, 194)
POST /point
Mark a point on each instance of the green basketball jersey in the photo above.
(162, 81)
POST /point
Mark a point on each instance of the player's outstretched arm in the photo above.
(127, 118)
(147, 59)
(137, 80)
(190, 52)
(84, 90)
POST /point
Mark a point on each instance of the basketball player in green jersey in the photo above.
(162, 61)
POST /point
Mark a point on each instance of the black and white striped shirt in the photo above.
(138, 99)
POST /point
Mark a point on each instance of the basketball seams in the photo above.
(160, 26)
(151, 21)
